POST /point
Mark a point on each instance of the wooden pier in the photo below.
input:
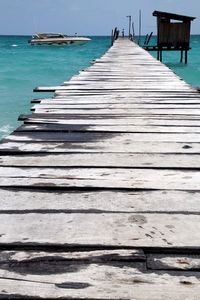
(100, 187)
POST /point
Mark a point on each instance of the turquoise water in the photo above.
(24, 67)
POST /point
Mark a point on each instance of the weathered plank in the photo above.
(95, 256)
(88, 116)
(98, 281)
(115, 121)
(24, 201)
(113, 89)
(154, 100)
(47, 89)
(96, 147)
(111, 137)
(65, 105)
(189, 112)
(47, 127)
(101, 178)
(131, 160)
(82, 274)
(101, 230)
(173, 262)
(147, 91)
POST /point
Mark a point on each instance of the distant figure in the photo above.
(122, 32)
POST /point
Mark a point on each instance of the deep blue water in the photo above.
(23, 67)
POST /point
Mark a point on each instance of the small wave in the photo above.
(14, 45)
(5, 130)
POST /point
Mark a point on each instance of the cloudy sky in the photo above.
(87, 17)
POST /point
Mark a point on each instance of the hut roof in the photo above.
(172, 16)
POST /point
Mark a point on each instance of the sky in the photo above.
(87, 17)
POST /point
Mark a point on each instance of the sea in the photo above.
(24, 67)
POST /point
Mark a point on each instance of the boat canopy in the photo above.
(49, 35)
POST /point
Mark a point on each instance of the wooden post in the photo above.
(181, 60)
(112, 37)
(129, 26)
(158, 55)
(115, 34)
(161, 55)
(146, 38)
(149, 38)
(186, 56)
(133, 29)
(140, 26)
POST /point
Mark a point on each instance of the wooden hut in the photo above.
(173, 33)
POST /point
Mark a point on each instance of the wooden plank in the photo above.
(189, 112)
(95, 256)
(119, 92)
(85, 76)
(88, 81)
(125, 117)
(122, 79)
(131, 160)
(24, 201)
(65, 105)
(173, 262)
(46, 126)
(96, 281)
(96, 147)
(98, 137)
(47, 89)
(83, 84)
(128, 92)
(124, 86)
(101, 178)
(133, 101)
(115, 121)
(101, 88)
(101, 230)
(143, 95)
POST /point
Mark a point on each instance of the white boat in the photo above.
(57, 39)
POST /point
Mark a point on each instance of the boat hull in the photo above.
(61, 41)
